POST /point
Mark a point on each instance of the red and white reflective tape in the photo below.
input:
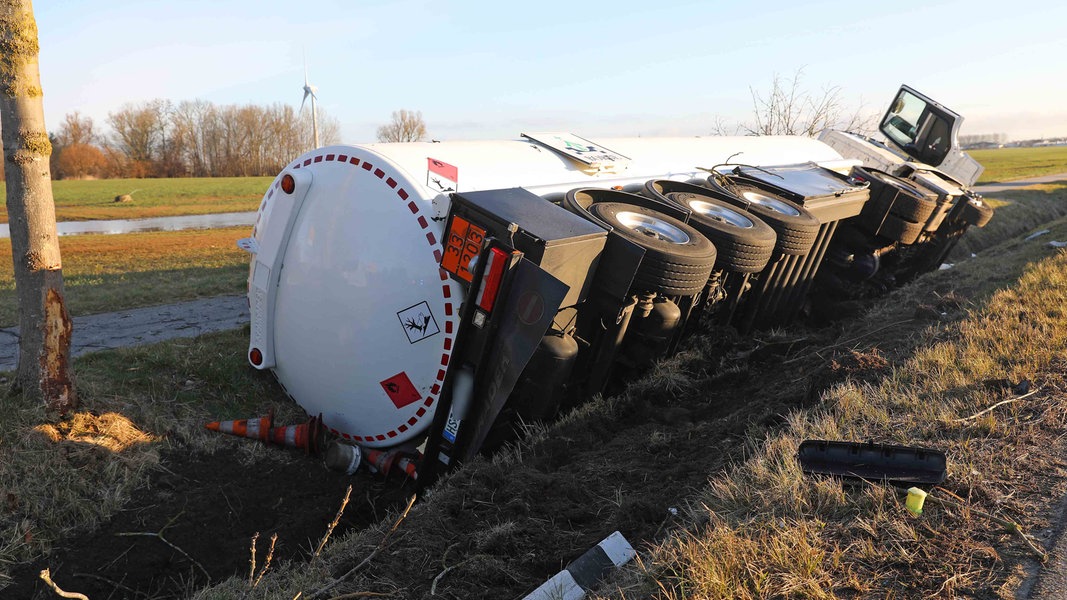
(252, 429)
(446, 291)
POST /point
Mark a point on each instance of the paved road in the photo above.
(142, 326)
(992, 188)
(1050, 582)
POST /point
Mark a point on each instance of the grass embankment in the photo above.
(1007, 164)
(1018, 212)
(95, 199)
(104, 273)
(765, 530)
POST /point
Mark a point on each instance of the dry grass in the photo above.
(765, 530)
(114, 272)
(1018, 213)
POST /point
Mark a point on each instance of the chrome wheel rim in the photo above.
(721, 214)
(652, 227)
(774, 204)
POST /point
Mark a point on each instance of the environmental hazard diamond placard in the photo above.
(400, 390)
(418, 322)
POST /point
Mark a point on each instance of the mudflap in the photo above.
(488, 358)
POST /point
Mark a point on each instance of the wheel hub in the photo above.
(652, 227)
(721, 214)
(772, 203)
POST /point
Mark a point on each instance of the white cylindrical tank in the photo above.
(349, 306)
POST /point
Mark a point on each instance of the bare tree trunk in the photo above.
(44, 324)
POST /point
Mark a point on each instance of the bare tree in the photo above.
(74, 153)
(76, 129)
(158, 138)
(406, 126)
(790, 109)
(44, 323)
(141, 133)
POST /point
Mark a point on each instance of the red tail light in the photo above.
(255, 357)
(288, 184)
(494, 274)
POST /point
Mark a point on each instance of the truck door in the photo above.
(922, 128)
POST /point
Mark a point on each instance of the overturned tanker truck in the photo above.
(434, 295)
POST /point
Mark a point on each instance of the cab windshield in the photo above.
(919, 128)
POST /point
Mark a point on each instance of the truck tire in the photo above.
(916, 209)
(897, 196)
(678, 259)
(899, 230)
(744, 242)
(976, 212)
(795, 226)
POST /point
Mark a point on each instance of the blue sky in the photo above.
(496, 69)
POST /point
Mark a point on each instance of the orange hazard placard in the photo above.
(400, 390)
(463, 242)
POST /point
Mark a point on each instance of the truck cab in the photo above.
(920, 134)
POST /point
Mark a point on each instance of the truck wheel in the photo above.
(898, 197)
(976, 212)
(910, 208)
(678, 259)
(897, 229)
(796, 227)
(744, 242)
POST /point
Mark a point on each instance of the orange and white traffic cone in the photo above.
(407, 465)
(387, 461)
(379, 461)
(306, 436)
(256, 429)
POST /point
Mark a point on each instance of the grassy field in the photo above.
(95, 199)
(103, 273)
(752, 526)
(1007, 164)
(919, 368)
(756, 528)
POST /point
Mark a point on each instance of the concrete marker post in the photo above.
(586, 571)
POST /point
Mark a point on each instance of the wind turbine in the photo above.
(309, 90)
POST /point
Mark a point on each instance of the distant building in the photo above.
(983, 140)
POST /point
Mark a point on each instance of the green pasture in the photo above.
(82, 200)
(105, 273)
(1006, 164)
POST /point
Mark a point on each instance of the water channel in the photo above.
(210, 221)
